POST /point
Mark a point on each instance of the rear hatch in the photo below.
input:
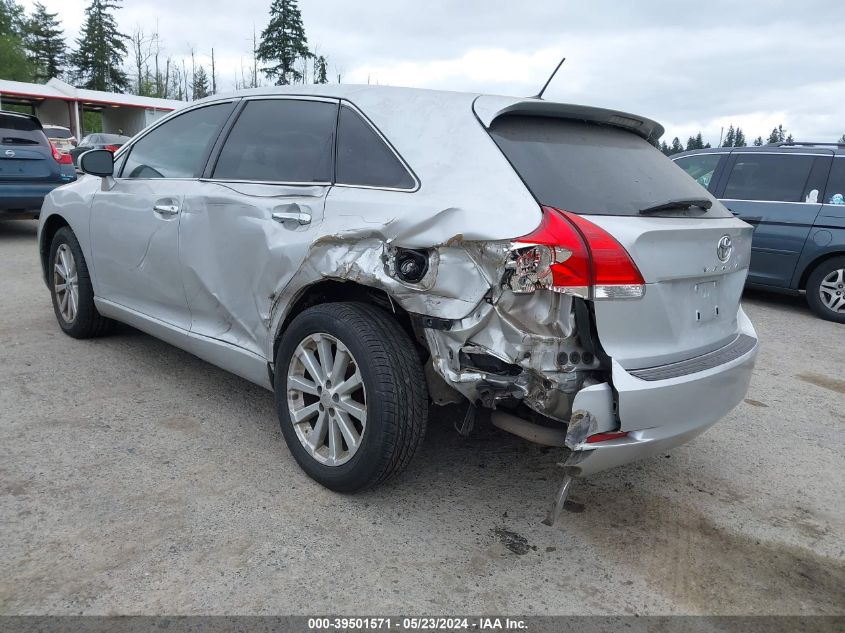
(25, 153)
(693, 259)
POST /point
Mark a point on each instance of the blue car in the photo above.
(30, 166)
(794, 196)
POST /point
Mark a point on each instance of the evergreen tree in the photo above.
(739, 139)
(789, 139)
(841, 139)
(200, 84)
(777, 135)
(691, 143)
(283, 42)
(699, 141)
(45, 42)
(14, 63)
(321, 75)
(665, 148)
(98, 59)
(730, 137)
(758, 141)
(676, 146)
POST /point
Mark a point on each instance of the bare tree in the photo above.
(141, 55)
(213, 75)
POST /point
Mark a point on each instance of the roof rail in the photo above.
(802, 143)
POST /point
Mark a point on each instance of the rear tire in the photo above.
(71, 290)
(373, 399)
(826, 290)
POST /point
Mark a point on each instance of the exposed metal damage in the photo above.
(489, 345)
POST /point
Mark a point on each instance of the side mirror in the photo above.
(97, 162)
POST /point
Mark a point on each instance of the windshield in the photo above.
(596, 169)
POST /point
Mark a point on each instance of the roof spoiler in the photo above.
(489, 108)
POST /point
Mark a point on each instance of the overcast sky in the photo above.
(692, 66)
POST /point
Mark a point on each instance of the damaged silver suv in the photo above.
(364, 250)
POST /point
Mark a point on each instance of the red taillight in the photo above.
(112, 148)
(61, 159)
(567, 253)
(604, 437)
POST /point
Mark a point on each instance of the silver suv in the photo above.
(364, 250)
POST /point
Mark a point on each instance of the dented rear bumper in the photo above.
(661, 414)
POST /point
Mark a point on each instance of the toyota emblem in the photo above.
(724, 248)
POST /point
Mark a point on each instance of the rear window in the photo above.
(57, 132)
(835, 193)
(20, 131)
(363, 159)
(593, 169)
(770, 177)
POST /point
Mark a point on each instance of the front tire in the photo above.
(71, 289)
(826, 290)
(350, 395)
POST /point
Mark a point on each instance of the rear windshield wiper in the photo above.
(683, 203)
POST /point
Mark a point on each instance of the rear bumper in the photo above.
(661, 414)
(16, 198)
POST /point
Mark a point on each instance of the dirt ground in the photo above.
(137, 479)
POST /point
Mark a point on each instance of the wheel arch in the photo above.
(48, 231)
(336, 290)
(815, 263)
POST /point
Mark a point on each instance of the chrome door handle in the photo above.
(301, 217)
(166, 209)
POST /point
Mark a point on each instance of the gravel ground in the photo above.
(135, 478)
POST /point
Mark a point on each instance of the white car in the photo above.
(364, 250)
(61, 138)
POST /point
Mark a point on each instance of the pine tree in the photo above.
(789, 139)
(739, 139)
(45, 42)
(321, 75)
(730, 137)
(200, 84)
(841, 139)
(777, 135)
(665, 148)
(758, 141)
(98, 59)
(283, 43)
(699, 141)
(691, 143)
(676, 146)
(14, 63)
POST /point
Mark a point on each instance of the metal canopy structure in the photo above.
(59, 103)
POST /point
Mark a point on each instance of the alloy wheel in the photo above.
(832, 291)
(326, 399)
(66, 283)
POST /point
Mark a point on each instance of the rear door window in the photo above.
(280, 140)
(20, 131)
(835, 193)
(178, 148)
(363, 158)
(593, 169)
(769, 177)
(700, 166)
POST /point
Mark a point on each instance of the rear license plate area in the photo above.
(705, 302)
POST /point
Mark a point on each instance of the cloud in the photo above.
(690, 65)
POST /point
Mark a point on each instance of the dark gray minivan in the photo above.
(794, 196)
